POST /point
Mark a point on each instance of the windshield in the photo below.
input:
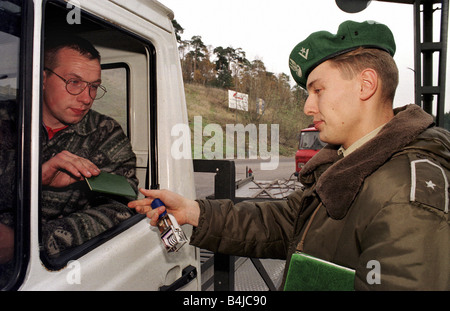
(310, 140)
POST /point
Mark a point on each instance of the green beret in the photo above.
(322, 45)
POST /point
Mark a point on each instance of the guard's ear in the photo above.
(369, 83)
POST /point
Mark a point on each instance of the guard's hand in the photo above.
(184, 210)
(66, 168)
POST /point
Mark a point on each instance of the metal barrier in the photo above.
(225, 188)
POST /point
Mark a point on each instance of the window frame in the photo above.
(78, 251)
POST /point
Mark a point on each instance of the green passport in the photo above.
(308, 273)
(111, 184)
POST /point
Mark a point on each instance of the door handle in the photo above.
(187, 275)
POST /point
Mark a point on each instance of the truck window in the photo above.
(74, 220)
(12, 66)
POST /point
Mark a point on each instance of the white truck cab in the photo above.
(141, 70)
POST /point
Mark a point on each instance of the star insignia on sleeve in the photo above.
(430, 184)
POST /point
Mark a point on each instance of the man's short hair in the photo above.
(55, 42)
(356, 61)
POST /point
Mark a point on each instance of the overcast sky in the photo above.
(269, 29)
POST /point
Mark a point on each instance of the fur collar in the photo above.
(338, 182)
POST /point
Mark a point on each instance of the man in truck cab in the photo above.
(78, 142)
(375, 197)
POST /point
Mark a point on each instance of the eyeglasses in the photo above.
(76, 86)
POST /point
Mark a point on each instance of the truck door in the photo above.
(128, 256)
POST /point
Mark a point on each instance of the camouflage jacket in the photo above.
(73, 215)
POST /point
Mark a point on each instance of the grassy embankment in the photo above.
(212, 105)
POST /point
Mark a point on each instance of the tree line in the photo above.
(229, 68)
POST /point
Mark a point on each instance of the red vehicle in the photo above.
(309, 145)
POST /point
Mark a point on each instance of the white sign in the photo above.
(237, 100)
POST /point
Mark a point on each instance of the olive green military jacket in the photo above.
(382, 210)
